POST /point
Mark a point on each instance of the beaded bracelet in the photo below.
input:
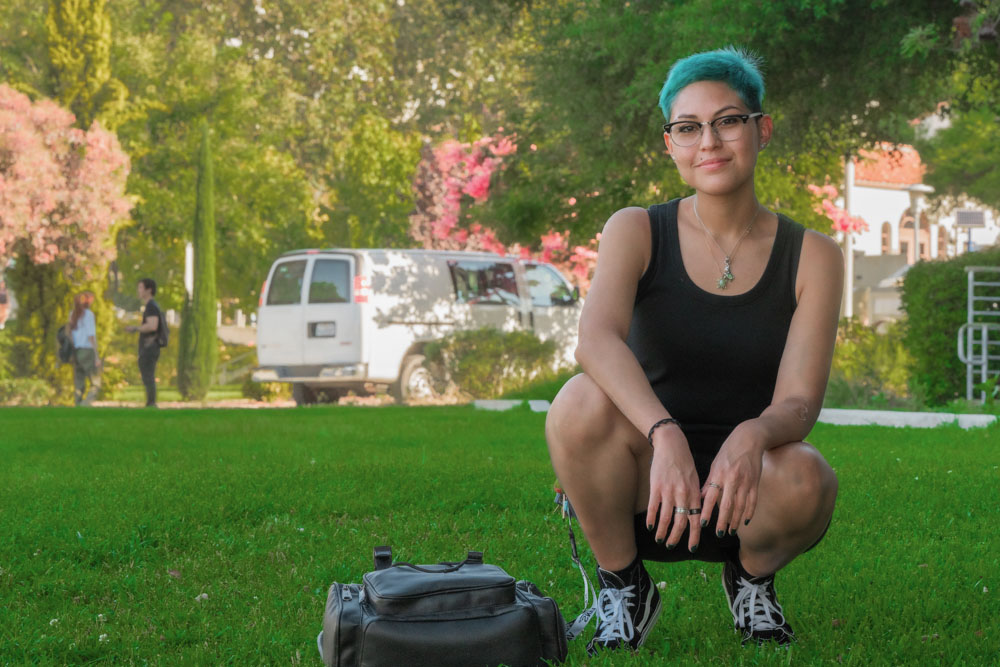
(666, 420)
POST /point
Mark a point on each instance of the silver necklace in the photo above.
(727, 271)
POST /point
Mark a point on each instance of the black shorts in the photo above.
(705, 445)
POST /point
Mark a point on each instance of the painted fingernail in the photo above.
(732, 531)
(747, 522)
(720, 533)
(694, 549)
(659, 540)
(649, 527)
(704, 522)
(671, 546)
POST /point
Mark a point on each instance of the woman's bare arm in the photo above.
(605, 357)
(607, 314)
(808, 354)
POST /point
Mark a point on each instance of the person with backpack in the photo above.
(82, 329)
(152, 336)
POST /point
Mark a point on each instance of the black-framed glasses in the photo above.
(726, 128)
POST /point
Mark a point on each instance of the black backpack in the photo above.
(65, 341)
(162, 332)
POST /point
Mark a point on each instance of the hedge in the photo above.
(934, 297)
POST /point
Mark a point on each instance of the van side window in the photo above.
(484, 283)
(330, 282)
(286, 283)
(547, 287)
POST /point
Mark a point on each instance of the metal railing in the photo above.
(979, 338)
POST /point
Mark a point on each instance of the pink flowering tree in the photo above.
(842, 221)
(62, 190)
(453, 178)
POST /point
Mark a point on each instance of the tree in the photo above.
(62, 190)
(198, 351)
(79, 42)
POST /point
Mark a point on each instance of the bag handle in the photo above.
(383, 557)
(383, 560)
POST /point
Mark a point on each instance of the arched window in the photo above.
(886, 238)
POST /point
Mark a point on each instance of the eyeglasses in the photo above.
(726, 128)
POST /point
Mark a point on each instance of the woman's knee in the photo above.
(804, 474)
(580, 414)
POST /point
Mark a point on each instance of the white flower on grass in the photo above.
(100, 617)
(102, 638)
(986, 590)
(662, 585)
(202, 597)
(54, 621)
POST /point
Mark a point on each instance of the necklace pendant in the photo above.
(727, 276)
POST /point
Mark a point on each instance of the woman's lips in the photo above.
(711, 164)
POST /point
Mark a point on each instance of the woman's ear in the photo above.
(666, 142)
(766, 131)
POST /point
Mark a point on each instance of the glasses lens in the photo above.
(730, 128)
(685, 134)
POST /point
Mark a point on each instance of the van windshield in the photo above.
(286, 283)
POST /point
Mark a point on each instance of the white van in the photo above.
(332, 321)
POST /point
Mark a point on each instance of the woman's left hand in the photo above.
(732, 481)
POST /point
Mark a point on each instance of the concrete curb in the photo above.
(827, 416)
(902, 419)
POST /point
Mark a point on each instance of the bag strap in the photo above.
(574, 629)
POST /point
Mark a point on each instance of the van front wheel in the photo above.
(416, 382)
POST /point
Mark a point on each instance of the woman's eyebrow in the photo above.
(726, 108)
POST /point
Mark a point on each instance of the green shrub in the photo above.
(870, 369)
(112, 382)
(934, 298)
(486, 363)
(266, 391)
(25, 392)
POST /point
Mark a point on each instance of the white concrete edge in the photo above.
(899, 419)
(835, 416)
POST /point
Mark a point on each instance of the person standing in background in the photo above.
(82, 327)
(149, 346)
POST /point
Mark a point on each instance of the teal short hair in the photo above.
(739, 68)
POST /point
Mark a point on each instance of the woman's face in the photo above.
(711, 165)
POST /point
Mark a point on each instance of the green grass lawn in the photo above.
(114, 522)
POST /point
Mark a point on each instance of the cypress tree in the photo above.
(198, 351)
(79, 41)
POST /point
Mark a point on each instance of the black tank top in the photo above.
(712, 359)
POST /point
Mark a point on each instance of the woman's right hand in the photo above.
(673, 482)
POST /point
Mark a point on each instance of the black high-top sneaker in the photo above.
(627, 609)
(757, 615)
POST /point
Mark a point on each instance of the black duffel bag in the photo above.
(466, 614)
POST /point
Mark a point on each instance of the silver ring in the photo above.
(694, 510)
(715, 485)
(681, 510)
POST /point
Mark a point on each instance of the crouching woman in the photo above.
(705, 344)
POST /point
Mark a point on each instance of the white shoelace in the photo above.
(753, 602)
(613, 618)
